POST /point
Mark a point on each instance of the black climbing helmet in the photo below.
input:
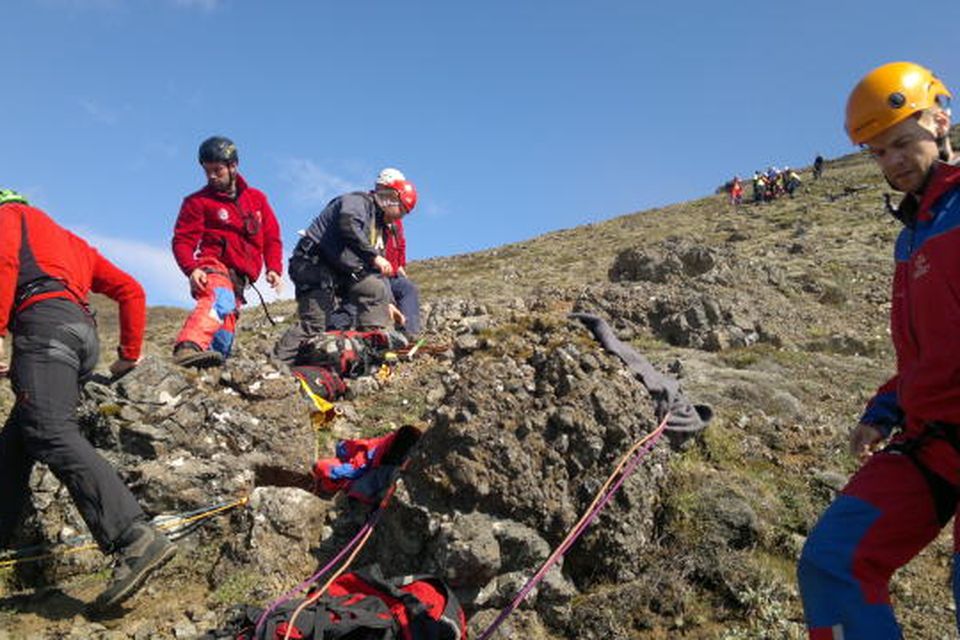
(218, 149)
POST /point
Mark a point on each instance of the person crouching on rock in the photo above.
(46, 274)
(223, 236)
(340, 255)
(902, 496)
(404, 293)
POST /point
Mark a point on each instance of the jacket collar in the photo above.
(915, 208)
(945, 177)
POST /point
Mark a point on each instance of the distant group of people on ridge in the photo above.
(348, 271)
(767, 185)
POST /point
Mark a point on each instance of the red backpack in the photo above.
(364, 605)
(319, 381)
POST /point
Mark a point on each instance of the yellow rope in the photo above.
(15, 561)
(169, 524)
(176, 522)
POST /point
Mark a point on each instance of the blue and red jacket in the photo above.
(240, 232)
(364, 467)
(925, 322)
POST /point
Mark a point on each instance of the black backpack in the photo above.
(364, 605)
(350, 354)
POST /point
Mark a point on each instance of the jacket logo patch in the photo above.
(223, 214)
(920, 266)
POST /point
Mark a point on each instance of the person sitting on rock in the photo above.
(903, 495)
(46, 274)
(223, 236)
(339, 256)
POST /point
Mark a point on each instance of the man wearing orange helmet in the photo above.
(340, 256)
(902, 496)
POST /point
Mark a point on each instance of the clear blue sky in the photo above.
(512, 118)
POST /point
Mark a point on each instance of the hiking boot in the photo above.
(188, 354)
(143, 551)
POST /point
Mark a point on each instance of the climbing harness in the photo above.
(628, 463)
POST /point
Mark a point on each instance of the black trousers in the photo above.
(55, 345)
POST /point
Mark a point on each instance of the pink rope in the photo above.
(574, 535)
(316, 576)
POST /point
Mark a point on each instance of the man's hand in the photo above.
(198, 280)
(864, 440)
(121, 366)
(383, 265)
(275, 281)
(4, 367)
(395, 315)
(402, 272)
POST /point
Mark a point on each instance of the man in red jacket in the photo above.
(902, 496)
(46, 274)
(224, 235)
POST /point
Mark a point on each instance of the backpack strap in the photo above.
(423, 619)
(330, 618)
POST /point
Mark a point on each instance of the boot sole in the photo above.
(200, 360)
(135, 584)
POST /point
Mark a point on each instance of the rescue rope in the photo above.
(628, 463)
(177, 525)
(356, 544)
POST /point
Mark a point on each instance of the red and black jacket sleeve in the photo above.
(127, 292)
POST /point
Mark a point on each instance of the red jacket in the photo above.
(925, 318)
(242, 233)
(40, 259)
(395, 245)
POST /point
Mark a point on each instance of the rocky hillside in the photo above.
(774, 314)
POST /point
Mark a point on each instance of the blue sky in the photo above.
(512, 118)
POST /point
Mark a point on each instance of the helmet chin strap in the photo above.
(944, 148)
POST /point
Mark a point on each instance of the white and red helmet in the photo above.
(394, 179)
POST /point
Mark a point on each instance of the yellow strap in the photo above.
(322, 404)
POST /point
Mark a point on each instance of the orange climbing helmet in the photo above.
(890, 94)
